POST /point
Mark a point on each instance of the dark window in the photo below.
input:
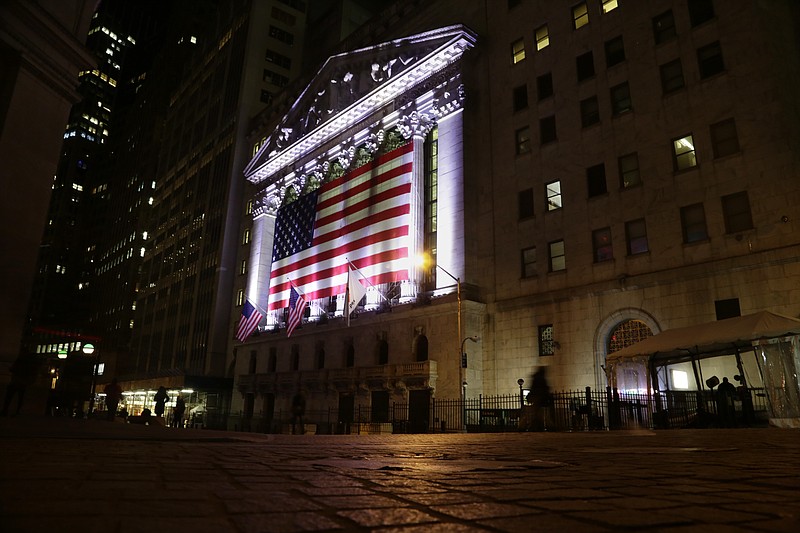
(523, 140)
(584, 64)
(736, 210)
(266, 96)
(383, 352)
(727, 308)
(700, 11)
(529, 262)
(601, 245)
(422, 348)
(547, 129)
(671, 76)
(590, 112)
(281, 35)
(253, 360)
(278, 59)
(615, 51)
(520, 97)
(693, 223)
(629, 171)
(546, 341)
(282, 16)
(272, 362)
(295, 357)
(620, 99)
(636, 236)
(664, 27)
(526, 203)
(544, 86)
(350, 357)
(709, 60)
(513, 3)
(596, 180)
(724, 139)
(275, 78)
(320, 358)
(558, 258)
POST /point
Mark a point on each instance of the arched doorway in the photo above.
(619, 330)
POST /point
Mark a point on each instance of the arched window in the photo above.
(421, 350)
(627, 333)
(632, 378)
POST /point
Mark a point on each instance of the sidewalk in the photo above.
(66, 475)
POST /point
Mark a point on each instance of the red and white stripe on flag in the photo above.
(362, 216)
(297, 306)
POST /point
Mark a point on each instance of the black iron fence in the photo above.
(581, 410)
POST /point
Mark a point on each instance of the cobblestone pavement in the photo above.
(64, 475)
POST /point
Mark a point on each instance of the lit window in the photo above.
(517, 51)
(553, 195)
(542, 37)
(610, 5)
(601, 245)
(246, 236)
(249, 209)
(240, 297)
(558, 260)
(547, 345)
(141, 252)
(243, 267)
(683, 153)
(680, 379)
(580, 15)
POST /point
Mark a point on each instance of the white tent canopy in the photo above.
(710, 339)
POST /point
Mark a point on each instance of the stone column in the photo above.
(415, 126)
(262, 238)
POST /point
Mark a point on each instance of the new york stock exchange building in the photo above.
(420, 234)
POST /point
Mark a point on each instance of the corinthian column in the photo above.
(415, 126)
(262, 238)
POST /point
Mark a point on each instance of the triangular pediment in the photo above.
(345, 80)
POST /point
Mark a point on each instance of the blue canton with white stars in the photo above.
(294, 227)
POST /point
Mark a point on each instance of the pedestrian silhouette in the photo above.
(177, 412)
(160, 399)
(298, 412)
(113, 396)
(726, 411)
(540, 398)
(23, 373)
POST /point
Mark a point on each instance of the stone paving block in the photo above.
(285, 522)
(553, 524)
(483, 510)
(372, 518)
(372, 501)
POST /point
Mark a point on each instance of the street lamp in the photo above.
(520, 382)
(88, 349)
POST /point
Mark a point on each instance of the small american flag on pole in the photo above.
(362, 216)
(250, 319)
(297, 306)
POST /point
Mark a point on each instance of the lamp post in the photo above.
(520, 382)
(88, 349)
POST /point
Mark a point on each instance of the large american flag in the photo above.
(362, 216)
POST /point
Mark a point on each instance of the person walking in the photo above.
(160, 400)
(541, 399)
(298, 412)
(113, 396)
(726, 410)
(177, 412)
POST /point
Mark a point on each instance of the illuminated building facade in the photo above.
(582, 176)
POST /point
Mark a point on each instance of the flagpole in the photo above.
(367, 280)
